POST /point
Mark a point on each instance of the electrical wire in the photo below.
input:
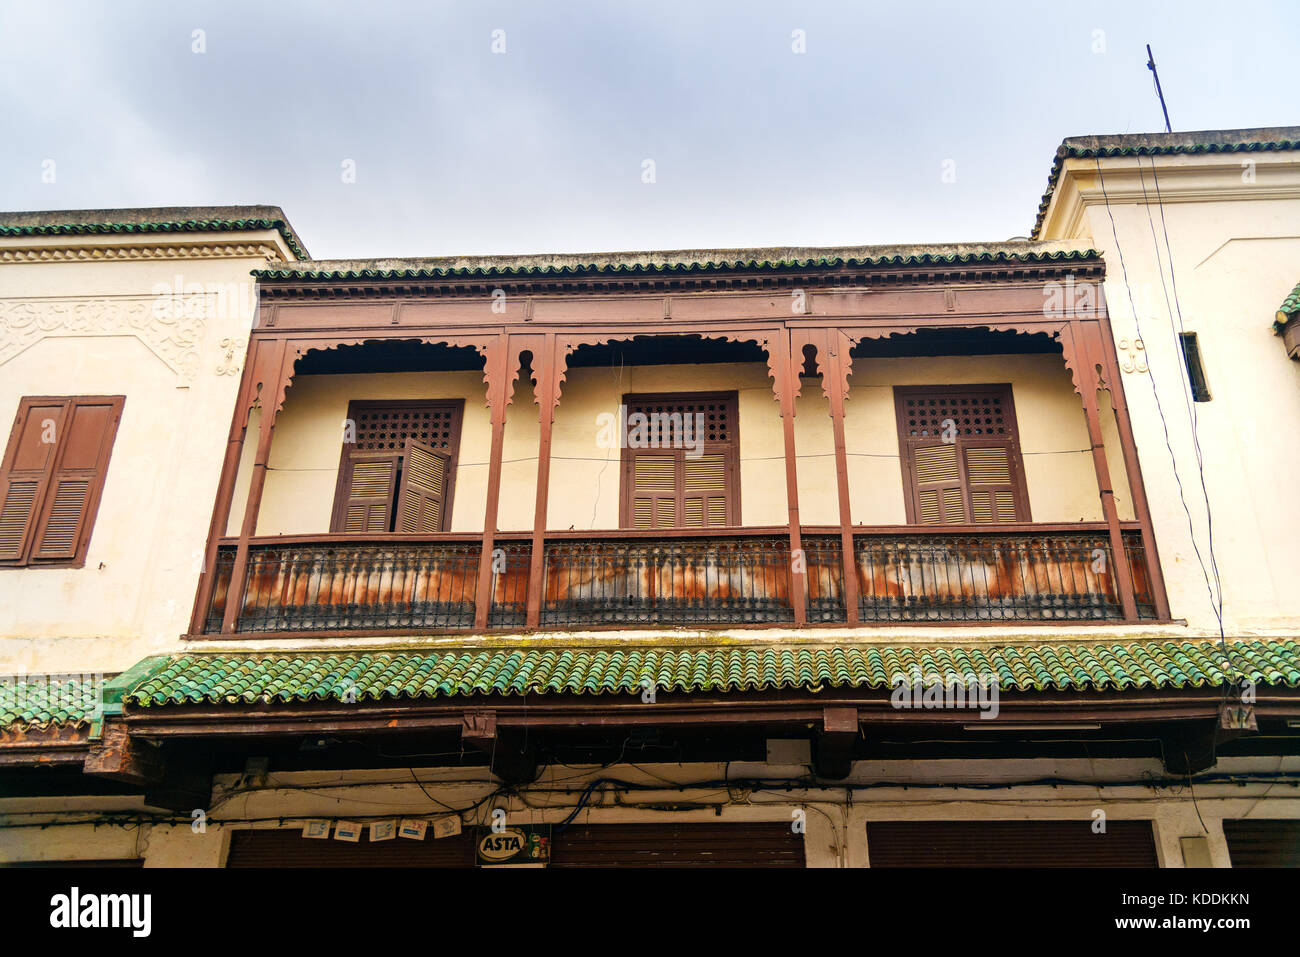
(1164, 422)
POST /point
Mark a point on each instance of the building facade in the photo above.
(925, 555)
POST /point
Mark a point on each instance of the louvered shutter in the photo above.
(369, 482)
(704, 491)
(424, 480)
(28, 463)
(654, 490)
(77, 476)
(988, 478)
(936, 473)
(973, 478)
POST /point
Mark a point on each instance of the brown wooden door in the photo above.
(286, 847)
(677, 845)
(1010, 844)
(1263, 843)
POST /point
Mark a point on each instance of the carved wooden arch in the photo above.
(771, 339)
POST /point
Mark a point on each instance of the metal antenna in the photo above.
(1151, 65)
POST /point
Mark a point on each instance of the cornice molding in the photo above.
(266, 252)
(1181, 179)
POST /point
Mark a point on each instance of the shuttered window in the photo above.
(680, 461)
(960, 453)
(398, 474)
(52, 477)
(950, 844)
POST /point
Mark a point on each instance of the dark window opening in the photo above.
(1195, 370)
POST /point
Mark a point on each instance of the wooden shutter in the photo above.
(950, 844)
(370, 478)
(654, 489)
(53, 475)
(704, 491)
(676, 845)
(669, 486)
(1263, 843)
(424, 479)
(377, 456)
(960, 454)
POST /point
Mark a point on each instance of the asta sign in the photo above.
(527, 846)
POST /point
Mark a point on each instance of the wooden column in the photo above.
(501, 369)
(546, 368)
(785, 374)
(261, 355)
(1080, 357)
(269, 400)
(836, 366)
(1133, 468)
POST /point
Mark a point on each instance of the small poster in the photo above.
(446, 826)
(347, 831)
(516, 846)
(383, 830)
(412, 828)
(317, 830)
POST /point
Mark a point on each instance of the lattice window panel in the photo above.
(668, 419)
(973, 414)
(387, 429)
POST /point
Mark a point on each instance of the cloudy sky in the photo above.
(386, 128)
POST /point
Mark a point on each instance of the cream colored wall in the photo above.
(89, 327)
(1235, 260)
(585, 478)
(836, 834)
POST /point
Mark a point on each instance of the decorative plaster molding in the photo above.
(232, 359)
(174, 339)
(1132, 355)
(213, 250)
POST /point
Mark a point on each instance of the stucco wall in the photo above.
(1234, 260)
(585, 478)
(95, 328)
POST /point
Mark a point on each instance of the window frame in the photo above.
(906, 453)
(730, 448)
(343, 483)
(95, 492)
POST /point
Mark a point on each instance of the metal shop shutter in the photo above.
(288, 848)
(1010, 844)
(677, 845)
(1263, 843)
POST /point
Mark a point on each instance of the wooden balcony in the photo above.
(619, 579)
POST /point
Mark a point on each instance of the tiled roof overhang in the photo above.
(286, 678)
(126, 222)
(684, 263)
(1170, 144)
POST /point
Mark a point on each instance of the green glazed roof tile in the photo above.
(1289, 309)
(178, 226)
(1163, 144)
(685, 261)
(43, 700)
(286, 677)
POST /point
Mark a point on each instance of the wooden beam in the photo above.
(833, 747)
(510, 755)
(121, 757)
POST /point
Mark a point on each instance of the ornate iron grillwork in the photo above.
(965, 577)
(673, 581)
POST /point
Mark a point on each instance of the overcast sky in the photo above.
(458, 148)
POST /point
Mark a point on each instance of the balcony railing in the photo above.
(395, 584)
